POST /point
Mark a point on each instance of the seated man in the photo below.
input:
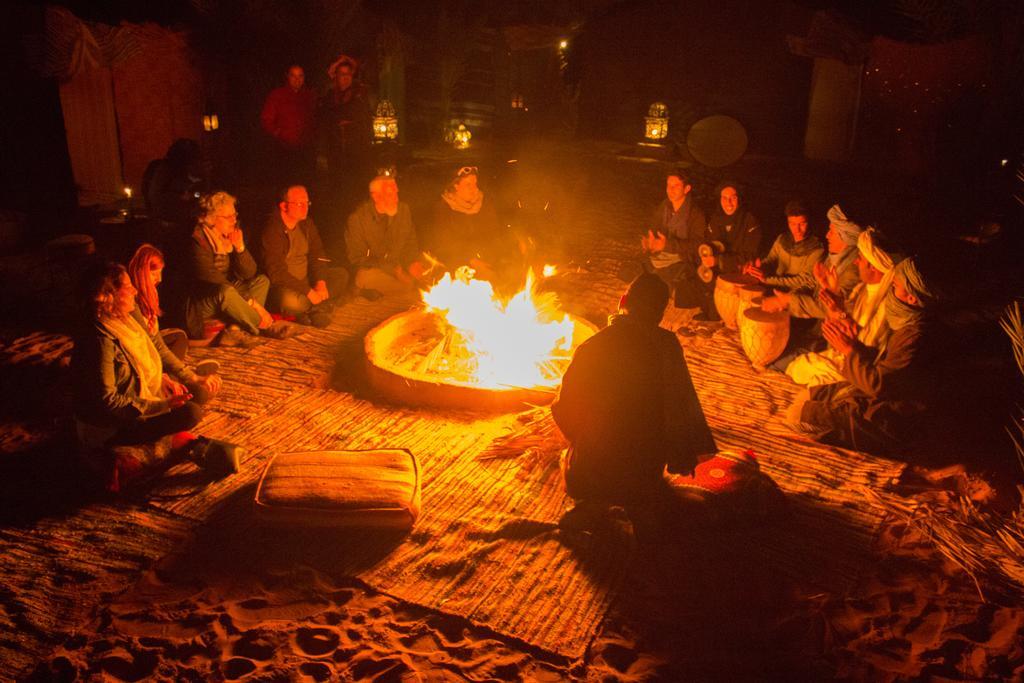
(864, 306)
(628, 408)
(301, 281)
(838, 272)
(677, 231)
(381, 242)
(789, 265)
(885, 393)
(224, 279)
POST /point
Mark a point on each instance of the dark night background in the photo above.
(939, 101)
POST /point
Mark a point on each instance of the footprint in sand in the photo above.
(256, 644)
(318, 671)
(128, 666)
(316, 641)
(236, 667)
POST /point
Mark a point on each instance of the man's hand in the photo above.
(177, 401)
(840, 334)
(833, 304)
(778, 301)
(652, 242)
(753, 269)
(237, 239)
(826, 276)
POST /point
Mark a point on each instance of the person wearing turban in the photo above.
(837, 272)
(884, 393)
(865, 306)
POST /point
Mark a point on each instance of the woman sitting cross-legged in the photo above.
(124, 392)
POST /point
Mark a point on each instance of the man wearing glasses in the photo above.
(302, 282)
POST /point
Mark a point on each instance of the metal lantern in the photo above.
(461, 136)
(210, 123)
(385, 123)
(656, 122)
(518, 102)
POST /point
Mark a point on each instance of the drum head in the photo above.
(717, 141)
(759, 315)
(739, 279)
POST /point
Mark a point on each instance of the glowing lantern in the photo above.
(518, 102)
(461, 136)
(656, 121)
(385, 123)
(210, 123)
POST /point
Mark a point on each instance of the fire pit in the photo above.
(465, 350)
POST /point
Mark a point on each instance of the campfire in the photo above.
(468, 348)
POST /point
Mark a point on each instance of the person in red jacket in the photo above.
(289, 118)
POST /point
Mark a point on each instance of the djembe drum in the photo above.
(727, 298)
(750, 297)
(764, 335)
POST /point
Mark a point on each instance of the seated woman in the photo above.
(123, 394)
(466, 229)
(734, 237)
(224, 280)
(146, 270)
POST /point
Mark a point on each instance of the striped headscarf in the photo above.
(847, 229)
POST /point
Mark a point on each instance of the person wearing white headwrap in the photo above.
(837, 272)
(865, 306)
(885, 394)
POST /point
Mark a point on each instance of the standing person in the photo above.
(381, 242)
(676, 231)
(224, 279)
(629, 410)
(288, 117)
(789, 265)
(302, 282)
(345, 133)
(129, 389)
(466, 230)
(733, 236)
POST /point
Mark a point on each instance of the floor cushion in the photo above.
(376, 488)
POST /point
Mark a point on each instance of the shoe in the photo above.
(280, 330)
(235, 336)
(320, 319)
(370, 294)
(303, 319)
(686, 331)
(206, 367)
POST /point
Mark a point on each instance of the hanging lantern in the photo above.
(461, 136)
(518, 102)
(210, 123)
(385, 123)
(656, 122)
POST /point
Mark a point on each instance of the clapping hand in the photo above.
(826, 276)
(653, 243)
(832, 302)
(840, 334)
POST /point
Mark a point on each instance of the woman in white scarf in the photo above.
(122, 394)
